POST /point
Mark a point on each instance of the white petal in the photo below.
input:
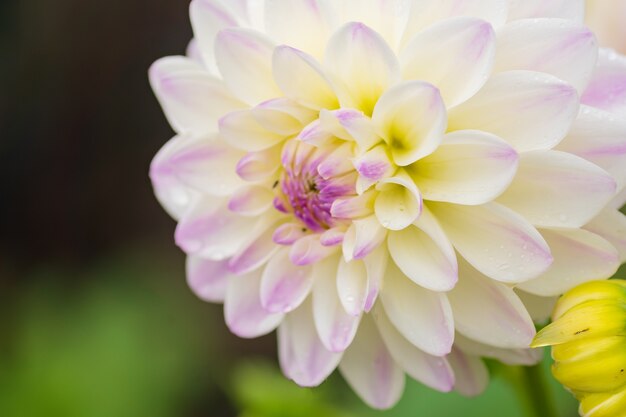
(302, 79)
(288, 233)
(256, 252)
(337, 163)
(387, 17)
(308, 250)
(376, 266)
(489, 312)
(421, 260)
(362, 66)
(607, 88)
(432, 371)
(251, 200)
(411, 118)
(375, 164)
(335, 327)
(579, 256)
(211, 231)
(333, 236)
(208, 279)
(399, 202)
(352, 286)
(456, 55)
(563, 48)
(423, 317)
(258, 166)
(370, 370)
(208, 17)
(508, 356)
(284, 286)
(241, 130)
(470, 373)
(353, 207)
(303, 357)
(539, 308)
(529, 110)
(495, 240)
(362, 237)
(244, 58)
(192, 99)
(350, 124)
(550, 184)
(599, 137)
(243, 312)
(303, 24)
(470, 167)
(193, 52)
(283, 116)
(611, 225)
(564, 9)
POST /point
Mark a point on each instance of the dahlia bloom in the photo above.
(394, 185)
(589, 346)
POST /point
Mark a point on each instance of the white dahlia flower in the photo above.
(392, 184)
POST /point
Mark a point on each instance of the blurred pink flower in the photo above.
(395, 185)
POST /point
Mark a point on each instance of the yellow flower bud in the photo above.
(588, 335)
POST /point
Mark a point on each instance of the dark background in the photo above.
(96, 318)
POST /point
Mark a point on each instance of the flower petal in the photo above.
(513, 357)
(563, 48)
(412, 119)
(611, 225)
(256, 252)
(258, 166)
(192, 99)
(370, 370)
(208, 279)
(375, 265)
(563, 9)
(244, 58)
(426, 12)
(607, 88)
(208, 17)
(283, 116)
(243, 312)
(470, 167)
(284, 286)
(352, 286)
(421, 260)
(470, 373)
(362, 237)
(362, 66)
(511, 250)
(489, 312)
(599, 137)
(529, 110)
(432, 371)
(211, 231)
(303, 357)
(303, 24)
(335, 327)
(423, 317)
(399, 202)
(241, 130)
(308, 250)
(549, 185)
(579, 256)
(302, 79)
(455, 54)
(250, 200)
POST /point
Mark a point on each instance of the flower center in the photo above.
(305, 193)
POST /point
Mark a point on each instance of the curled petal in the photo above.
(352, 286)
(375, 265)
(362, 237)
(258, 166)
(302, 356)
(282, 116)
(399, 202)
(308, 250)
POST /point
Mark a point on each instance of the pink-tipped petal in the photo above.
(335, 327)
(208, 279)
(423, 317)
(251, 200)
(241, 130)
(352, 286)
(255, 253)
(302, 356)
(607, 88)
(362, 237)
(284, 286)
(362, 66)
(243, 312)
(489, 312)
(470, 373)
(548, 187)
(370, 370)
(529, 110)
(376, 266)
(456, 55)
(309, 250)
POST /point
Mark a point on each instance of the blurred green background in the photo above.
(97, 320)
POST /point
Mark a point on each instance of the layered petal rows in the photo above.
(388, 183)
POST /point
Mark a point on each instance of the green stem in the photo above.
(533, 390)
